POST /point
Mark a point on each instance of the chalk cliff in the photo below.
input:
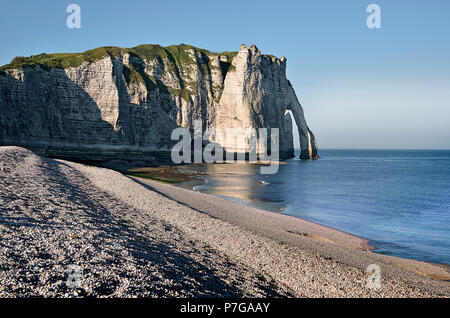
(124, 102)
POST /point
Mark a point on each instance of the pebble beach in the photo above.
(72, 230)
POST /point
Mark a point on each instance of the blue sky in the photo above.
(360, 87)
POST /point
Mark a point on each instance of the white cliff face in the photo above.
(127, 103)
(258, 94)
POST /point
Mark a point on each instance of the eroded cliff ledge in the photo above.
(111, 101)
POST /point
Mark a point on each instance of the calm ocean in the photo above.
(398, 199)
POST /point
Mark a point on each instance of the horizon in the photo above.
(360, 88)
(381, 149)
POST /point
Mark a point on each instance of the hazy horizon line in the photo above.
(346, 148)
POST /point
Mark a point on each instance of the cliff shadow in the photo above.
(49, 113)
(150, 122)
(51, 109)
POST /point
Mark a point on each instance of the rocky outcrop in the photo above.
(113, 101)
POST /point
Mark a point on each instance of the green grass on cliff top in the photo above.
(177, 54)
(176, 57)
